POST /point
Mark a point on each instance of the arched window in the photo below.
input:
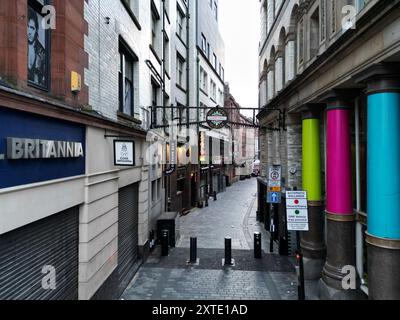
(281, 61)
(271, 74)
(270, 14)
(292, 45)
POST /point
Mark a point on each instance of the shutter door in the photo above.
(24, 252)
(128, 234)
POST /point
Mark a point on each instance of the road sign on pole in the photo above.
(274, 197)
(274, 184)
(297, 211)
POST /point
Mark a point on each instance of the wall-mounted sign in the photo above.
(297, 211)
(124, 153)
(35, 148)
(217, 118)
(24, 148)
(172, 158)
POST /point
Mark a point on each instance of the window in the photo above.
(301, 40)
(159, 189)
(203, 80)
(156, 42)
(126, 79)
(202, 111)
(154, 101)
(220, 97)
(153, 191)
(333, 17)
(180, 23)
(203, 43)
(208, 51)
(214, 62)
(361, 4)
(323, 20)
(38, 40)
(179, 70)
(213, 90)
(221, 72)
(314, 34)
(166, 55)
(215, 10)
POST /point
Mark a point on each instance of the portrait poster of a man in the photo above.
(37, 54)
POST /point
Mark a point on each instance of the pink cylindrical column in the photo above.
(339, 177)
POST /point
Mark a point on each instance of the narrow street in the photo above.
(232, 215)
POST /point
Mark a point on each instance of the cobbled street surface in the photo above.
(233, 215)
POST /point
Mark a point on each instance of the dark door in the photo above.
(128, 234)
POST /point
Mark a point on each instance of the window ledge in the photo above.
(204, 92)
(128, 117)
(180, 39)
(155, 54)
(181, 88)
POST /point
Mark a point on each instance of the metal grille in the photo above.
(128, 238)
(24, 252)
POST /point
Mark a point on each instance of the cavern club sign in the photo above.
(217, 118)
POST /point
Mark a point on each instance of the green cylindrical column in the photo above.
(312, 159)
(312, 242)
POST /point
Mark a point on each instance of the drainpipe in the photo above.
(198, 97)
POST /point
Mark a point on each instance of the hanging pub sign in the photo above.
(124, 153)
(217, 118)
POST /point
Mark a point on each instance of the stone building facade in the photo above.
(325, 63)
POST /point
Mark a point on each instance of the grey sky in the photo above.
(239, 26)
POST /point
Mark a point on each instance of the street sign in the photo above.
(275, 179)
(275, 173)
(297, 211)
(274, 197)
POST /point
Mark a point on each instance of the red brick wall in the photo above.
(67, 49)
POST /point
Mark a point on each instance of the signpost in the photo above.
(297, 220)
(274, 184)
(274, 196)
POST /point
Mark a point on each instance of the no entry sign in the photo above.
(297, 211)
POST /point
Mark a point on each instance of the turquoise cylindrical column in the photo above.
(383, 159)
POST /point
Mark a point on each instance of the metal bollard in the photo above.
(206, 201)
(164, 243)
(193, 250)
(257, 245)
(228, 251)
(215, 195)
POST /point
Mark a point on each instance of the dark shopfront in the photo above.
(38, 151)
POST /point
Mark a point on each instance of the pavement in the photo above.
(233, 215)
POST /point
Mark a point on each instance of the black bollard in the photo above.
(257, 245)
(193, 250)
(206, 201)
(215, 195)
(228, 251)
(164, 243)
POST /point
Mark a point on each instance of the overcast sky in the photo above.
(239, 26)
